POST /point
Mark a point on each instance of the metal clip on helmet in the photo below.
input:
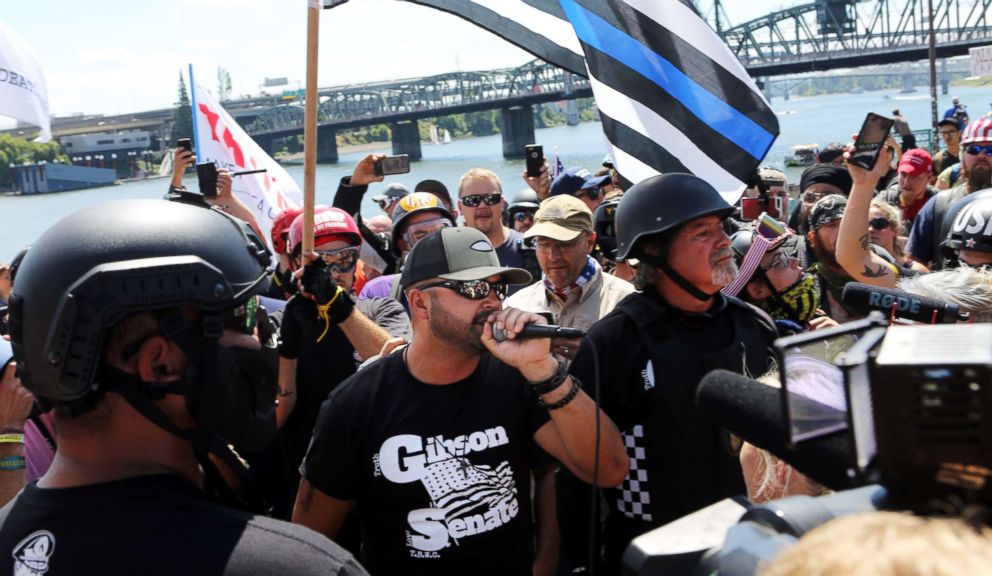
(98, 265)
(658, 206)
(970, 225)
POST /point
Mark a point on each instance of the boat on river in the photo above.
(802, 155)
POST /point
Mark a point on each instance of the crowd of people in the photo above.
(178, 397)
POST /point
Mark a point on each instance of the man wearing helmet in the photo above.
(654, 348)
(415, 217)
(930, 226)
(326, 332)
(521, 210)
(969, 240)
(138, 322)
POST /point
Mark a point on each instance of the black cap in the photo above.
(457, 254)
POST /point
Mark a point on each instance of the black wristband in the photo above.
(576, 385)
(551, 383)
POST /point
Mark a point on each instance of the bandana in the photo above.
(826, 210)
(584, 277)
(798, 302)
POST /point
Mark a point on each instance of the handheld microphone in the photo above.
(540, 331)
(753, 411)
(908, 306)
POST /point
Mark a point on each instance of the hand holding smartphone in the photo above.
(871, 140)
(392, 165)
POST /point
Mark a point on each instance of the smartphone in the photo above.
(185, 143)
(871, 140)
(206, 174)
(753, 208)
(393, 165)
(535, 159)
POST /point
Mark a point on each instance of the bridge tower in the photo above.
(517, 125)
(327, 145)
(406, 138)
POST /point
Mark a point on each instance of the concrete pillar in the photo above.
(517, 126)
(944, 79)
(327, 145)
(406, 139)
(266, 143)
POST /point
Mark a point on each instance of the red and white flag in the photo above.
(219, 139)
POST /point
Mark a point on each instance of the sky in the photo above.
(119, 56)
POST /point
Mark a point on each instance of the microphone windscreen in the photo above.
(753, 411)
(908, 306)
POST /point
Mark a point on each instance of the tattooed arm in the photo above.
(853, 251)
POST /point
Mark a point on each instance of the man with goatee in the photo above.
(929, 227)
(650, 353)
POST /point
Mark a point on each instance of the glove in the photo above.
(332, 301)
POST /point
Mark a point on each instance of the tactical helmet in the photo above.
(100, 264)
(970, 221)
(327, 221)
(604, 219)
(280, 228)
(661, 204)
(525, 201)
(414, 204)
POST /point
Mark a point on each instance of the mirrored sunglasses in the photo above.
(474, 200)
(472, 289)
(523, 216)
(976, 149)
(341, 260)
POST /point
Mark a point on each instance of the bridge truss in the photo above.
(534, 82)
(839, 33)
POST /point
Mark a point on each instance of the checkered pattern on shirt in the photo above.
(634, 496)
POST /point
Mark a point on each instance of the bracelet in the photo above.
(11, 463)
(576, 385)
(12, 438)
(543, 387)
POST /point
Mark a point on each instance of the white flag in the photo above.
(23, 92)
(219, 139)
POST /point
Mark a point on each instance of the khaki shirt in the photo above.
(584, 306)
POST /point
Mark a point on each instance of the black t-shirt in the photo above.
(439, 472)
(321, 366)
(151, 525)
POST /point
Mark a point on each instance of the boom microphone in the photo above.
(753, 411)
(540, 331)
(908, 306)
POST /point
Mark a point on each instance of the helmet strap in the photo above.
(661, 262)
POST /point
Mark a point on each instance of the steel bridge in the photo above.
(829, 34)
(401, 103)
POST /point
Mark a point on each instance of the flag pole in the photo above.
(310, 125)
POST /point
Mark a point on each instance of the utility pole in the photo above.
(933, 82)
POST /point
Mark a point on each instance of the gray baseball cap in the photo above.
(457, 254)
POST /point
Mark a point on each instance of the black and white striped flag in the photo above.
(538, 26)
(672, 97)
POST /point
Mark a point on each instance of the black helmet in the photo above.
(603, 223)
(969, 224)
(98, 265)
(661, 204)
(525, 199)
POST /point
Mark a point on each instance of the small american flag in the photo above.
(557, 167)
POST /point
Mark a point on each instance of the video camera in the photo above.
(896, 417)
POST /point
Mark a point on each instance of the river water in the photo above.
(819, 119)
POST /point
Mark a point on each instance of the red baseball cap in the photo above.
(915, 162)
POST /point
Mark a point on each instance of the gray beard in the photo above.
(724, 273)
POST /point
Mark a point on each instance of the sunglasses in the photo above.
(384, 203)
(417, 232)
(341, 260)
(523, 216)
(976, 149)
(880, 223)
(472, 289)
(474, 200)
(590, 193)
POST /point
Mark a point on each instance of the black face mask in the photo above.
(234, 394)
